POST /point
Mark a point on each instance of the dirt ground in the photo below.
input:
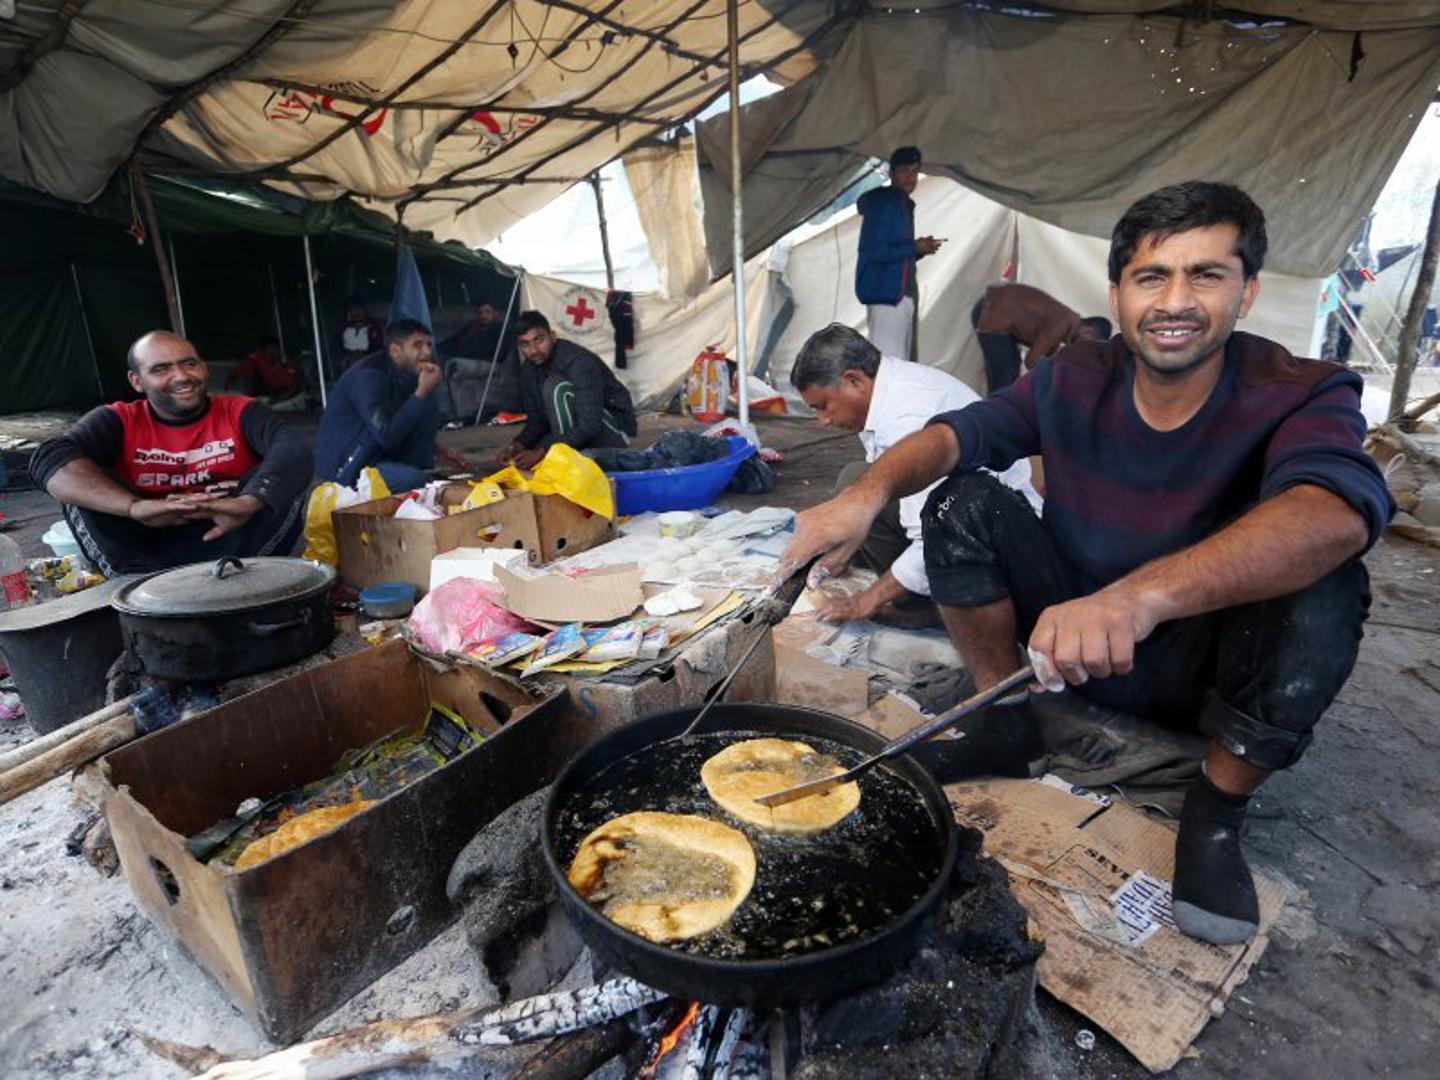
(1348, 987)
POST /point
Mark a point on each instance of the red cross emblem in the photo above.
(579, 311)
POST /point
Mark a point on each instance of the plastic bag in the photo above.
(564, 471)
(325, 500)
(462, 612)
(707, 387)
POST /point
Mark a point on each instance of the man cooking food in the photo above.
(181, 475)
(571, 396)
(1197, 563)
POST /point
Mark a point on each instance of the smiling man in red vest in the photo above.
(180, 476)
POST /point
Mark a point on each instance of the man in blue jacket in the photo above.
(885, 269)
(384, 412)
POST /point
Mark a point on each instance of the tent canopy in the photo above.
(463, 118)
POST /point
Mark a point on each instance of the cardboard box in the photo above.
(596, 596)
(1095, 877)
(294, 937)
(375, 547)
(606, 702)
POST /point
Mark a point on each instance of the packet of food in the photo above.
(558, 645)
(502, 650)
(654, 642)
(619, 642)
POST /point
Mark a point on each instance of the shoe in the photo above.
(1213, 894)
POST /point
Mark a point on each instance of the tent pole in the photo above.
(275, 309)
(89, 338)
(175, 273)
(315, 319)
(152, 226)
(499, 344)
(604, 230)
(737, 211)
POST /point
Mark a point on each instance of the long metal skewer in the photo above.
(904, 742)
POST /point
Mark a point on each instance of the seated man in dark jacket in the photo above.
(384, 412)
(570, 396)
(180, 476)
(1197, 564)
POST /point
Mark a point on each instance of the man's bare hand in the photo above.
(528, 459)
(927, 245)
(430, 376)
(160, 513)
(451, 459)
(1094, 635)
(834, 530)
(843, 609)
(228, 514)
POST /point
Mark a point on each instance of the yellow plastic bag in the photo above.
(564, 471)
(325, 500)
(482, 493)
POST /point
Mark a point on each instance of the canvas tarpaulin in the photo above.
(985, 240)
(1069, 119)
(669, 333)
(662, 183)
(476, 114)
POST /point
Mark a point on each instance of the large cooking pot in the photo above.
(904, 828)
(234, 617)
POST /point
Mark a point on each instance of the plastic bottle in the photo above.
(14, 584)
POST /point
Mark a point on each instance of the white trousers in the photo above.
(891, 326)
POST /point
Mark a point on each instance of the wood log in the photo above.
(35, 747)
(68, 755)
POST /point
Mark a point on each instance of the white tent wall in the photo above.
(669, 334)
(1073, 269)
(982, 241)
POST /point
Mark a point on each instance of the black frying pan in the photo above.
(828, 913)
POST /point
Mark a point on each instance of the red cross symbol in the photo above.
(580, 311)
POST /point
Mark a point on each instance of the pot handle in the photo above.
(218, 570)
(270, 629)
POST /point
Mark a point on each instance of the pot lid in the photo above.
(227, 585)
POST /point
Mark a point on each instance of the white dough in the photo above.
(688, 564)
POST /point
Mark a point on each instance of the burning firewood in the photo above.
(442, 1037)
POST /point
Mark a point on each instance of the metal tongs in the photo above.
(774, 605)
(904, 742)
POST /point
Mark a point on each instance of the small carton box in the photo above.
(293, 937)
(374, 546)
(601, 595)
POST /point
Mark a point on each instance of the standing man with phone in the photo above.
(889, 249)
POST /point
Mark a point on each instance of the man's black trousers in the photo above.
(1255, 678)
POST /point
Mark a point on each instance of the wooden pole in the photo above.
(1407, 354)
(152, 229)
(35, 747)
(71, 754)
(604, 231)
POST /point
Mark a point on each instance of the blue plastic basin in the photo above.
(688, 487)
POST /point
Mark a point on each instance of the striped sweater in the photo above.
(1119, 493)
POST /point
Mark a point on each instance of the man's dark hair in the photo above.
(531, 320)
(1195, 204)
(1099, 326)
(905, 155)
(828, 354)
(402, 330)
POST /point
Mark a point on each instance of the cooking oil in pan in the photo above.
(812, 891)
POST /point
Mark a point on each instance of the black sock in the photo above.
(1213, 895)
(1000, 740)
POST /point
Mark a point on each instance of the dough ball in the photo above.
(744, 770)
(666, 877)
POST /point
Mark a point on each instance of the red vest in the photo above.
(208, 455)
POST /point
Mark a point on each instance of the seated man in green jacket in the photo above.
(570, 396)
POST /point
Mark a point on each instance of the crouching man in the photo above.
(1197, 564)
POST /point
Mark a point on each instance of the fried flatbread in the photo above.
(741, 772)
(666, 877)
(297, 831)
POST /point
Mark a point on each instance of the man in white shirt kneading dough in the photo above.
(851, 386)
